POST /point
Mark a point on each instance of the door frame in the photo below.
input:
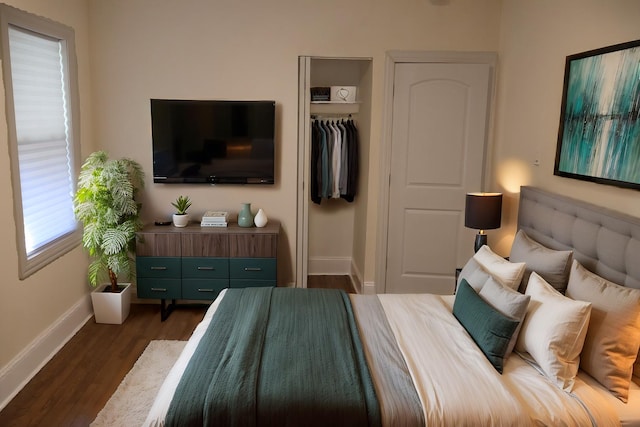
(302, 214)
(392, 58)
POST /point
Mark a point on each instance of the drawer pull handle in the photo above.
(159, 289)
(252, 269)
(205, 290)
(158, 268)
(206, 268)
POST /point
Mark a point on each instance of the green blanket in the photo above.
(278, 357)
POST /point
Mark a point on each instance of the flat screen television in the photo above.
(213, 142)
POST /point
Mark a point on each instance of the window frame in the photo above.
(10, 16)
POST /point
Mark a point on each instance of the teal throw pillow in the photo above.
(490, 329)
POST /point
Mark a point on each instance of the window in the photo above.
(38, 60)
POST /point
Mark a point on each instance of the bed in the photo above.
(548, 337)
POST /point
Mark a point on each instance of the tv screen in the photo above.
(214, 142)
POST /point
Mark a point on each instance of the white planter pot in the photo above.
(112, 308)
(180, 220)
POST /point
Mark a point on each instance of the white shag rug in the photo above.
(131, 402)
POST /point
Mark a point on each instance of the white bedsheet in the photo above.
(628, 413)
(457, 382)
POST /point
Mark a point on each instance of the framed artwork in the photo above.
(599, 133)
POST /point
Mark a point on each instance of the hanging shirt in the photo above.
(352, 178)
(326, 170)
(344, 158)
(335, 160)
(314, 191)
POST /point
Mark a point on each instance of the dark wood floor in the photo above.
(76, 384)
(331, 282)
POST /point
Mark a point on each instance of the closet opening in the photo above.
(333, 155)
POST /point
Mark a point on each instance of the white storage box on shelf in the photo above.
(343, 94)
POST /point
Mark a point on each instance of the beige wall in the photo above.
(140, 49)
(29, 307)
(248, 50)
(536, 37)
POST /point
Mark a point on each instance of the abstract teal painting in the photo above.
(599, 133)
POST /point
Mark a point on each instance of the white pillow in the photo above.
(553, 331)
(508, 302)
(474, 274)
(613, 337)
(507, 273)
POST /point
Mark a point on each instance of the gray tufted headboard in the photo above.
(604, 241)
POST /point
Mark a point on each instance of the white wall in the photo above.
(536, 36)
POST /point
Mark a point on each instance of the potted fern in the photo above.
(181, 217)
(105, 203)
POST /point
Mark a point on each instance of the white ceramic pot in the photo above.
(109, 307)
(260, 220)
(180, 220)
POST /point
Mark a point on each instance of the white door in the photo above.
(438, 140)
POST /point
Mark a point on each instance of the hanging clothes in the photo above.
(352, 162)
(334, 160)
(316, 177)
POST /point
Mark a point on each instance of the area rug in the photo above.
(131, 402)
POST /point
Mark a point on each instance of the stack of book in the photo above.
(214, 219)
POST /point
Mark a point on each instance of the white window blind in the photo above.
(43, 140)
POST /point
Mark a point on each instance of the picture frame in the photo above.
(599, 131)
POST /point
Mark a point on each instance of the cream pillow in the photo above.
(552, 265)
(474, 274)
(508, 302)
(613, 337)
(553, 331)
(507, 273)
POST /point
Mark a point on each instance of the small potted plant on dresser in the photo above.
(181, 217)
(106, 205)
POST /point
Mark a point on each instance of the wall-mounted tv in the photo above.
(213, 142)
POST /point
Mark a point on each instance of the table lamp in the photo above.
(483, 211)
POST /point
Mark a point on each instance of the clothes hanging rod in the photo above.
(331, 116)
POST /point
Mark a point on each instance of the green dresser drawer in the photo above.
(253, 268)
(248, 283)
(207, 289)
(205, 268)
(159, 288)
(160, 267)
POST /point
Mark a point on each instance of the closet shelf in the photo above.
(335, 102)
(323, 107)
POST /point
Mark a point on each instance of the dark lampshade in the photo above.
(483, 211)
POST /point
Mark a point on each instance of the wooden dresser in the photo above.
(196, 263)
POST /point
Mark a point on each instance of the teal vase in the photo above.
(245, 217)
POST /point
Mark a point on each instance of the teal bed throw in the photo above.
(278, 357)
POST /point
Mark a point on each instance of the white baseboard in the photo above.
(23, 367)
(328, 265)
(369, 288)
(356, 277)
